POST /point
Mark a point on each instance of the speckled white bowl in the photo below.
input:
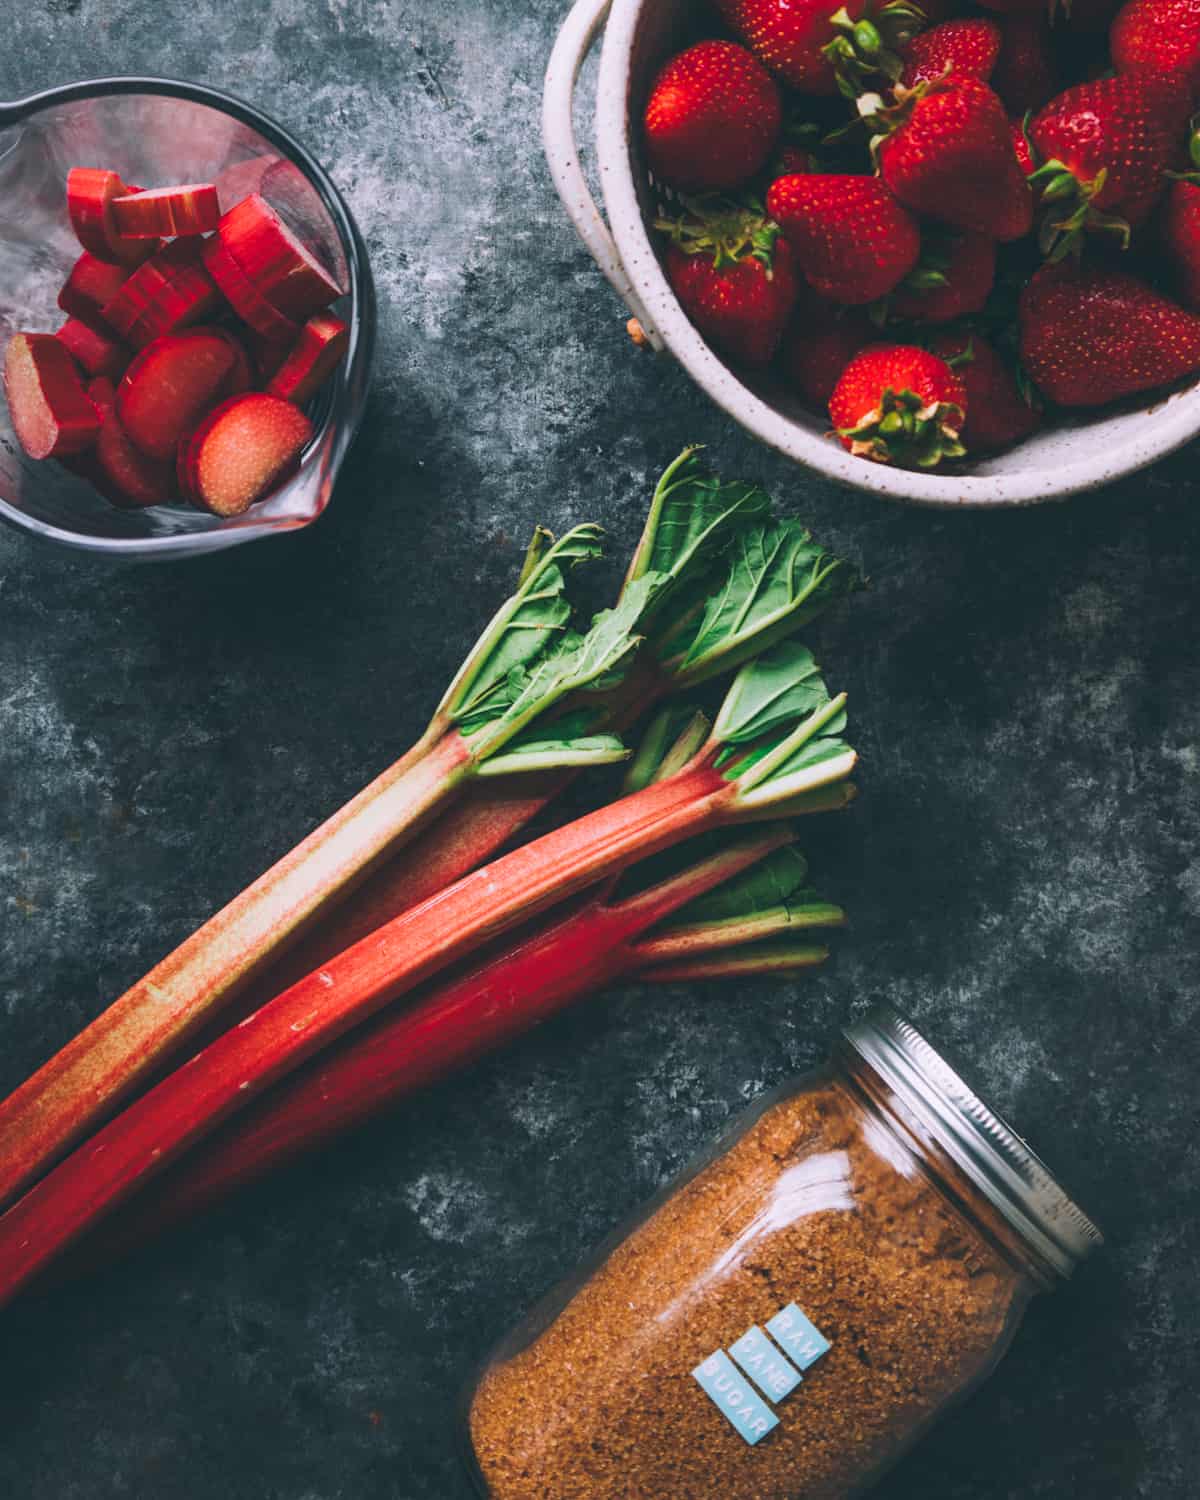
(1064, 459)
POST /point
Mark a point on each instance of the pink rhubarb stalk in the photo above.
(403, 1050)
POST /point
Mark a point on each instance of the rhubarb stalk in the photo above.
(775, 747)
(600, 941)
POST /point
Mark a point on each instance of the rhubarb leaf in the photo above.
(776, 579)
(692, 516)
(551, 754)
(531, 622)
(766, 885)
(776, 689)
(573, 663)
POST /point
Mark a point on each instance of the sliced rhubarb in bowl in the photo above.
(165, 295)
(322, 342)
(276, 261)
(245, 298)
(50, 411)
(97, 352)
(91, 192)
(241, 451)
(91, 286)
(169, 386)
(125, 475)
(162, 213)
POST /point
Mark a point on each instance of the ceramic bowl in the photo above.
(1077, 454)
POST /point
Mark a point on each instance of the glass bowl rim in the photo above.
(360, 292)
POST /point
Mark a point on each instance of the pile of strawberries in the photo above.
(937, 227)
(193, 340)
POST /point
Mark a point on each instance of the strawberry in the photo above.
(1022, 148)
(953, 279)
(965, 48)
(1026, 74)
(852, 240)
(1090, 335)
(1105, 146)
(945, 149)
(734, 277)
(712, 120)
(1158, 36)
(819, 343)
(819, 48)
(897, 403)
(998, 415)
(1181, 239)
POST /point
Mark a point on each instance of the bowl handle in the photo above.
(575, 41)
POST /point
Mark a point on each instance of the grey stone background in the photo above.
(1022, 868)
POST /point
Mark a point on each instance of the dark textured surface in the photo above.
(1023, 868)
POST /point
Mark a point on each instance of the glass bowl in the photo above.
(156, 131)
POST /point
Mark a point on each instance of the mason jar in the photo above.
(787, 1318)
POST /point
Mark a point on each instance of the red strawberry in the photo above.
(734, 277)
(714, 115)
(1158, 36)
(997, 414)
(1105, 146)
(1181, 239)
(968, 49)
(897, 403)
(1022, 148)
(1026, 75)
(952, 280)
(852, 240)
(819, 343)
(808, 43)
(1090, 335)
(945, 149)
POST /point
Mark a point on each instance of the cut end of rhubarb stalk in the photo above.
(241, 451)
(162, 213)
(50, 410)
(91, 192)
(124, 474)
(281, 267)
(321, 345)
(168, 386)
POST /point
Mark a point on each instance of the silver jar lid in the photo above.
(991, 1154)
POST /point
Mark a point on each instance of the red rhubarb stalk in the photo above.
(774, 744)
(400, 1051)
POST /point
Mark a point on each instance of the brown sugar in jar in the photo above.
(787, 1319)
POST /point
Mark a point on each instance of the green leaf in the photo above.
(659, 741)
(692, 517)
(765, 885)
(531, 622)
(554, 753)
(776, 689)
(776, 579)
(575, 662)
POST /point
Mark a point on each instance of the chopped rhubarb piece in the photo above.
(91, 192)
(241, 451)
(91, 286)
(163, 212)
(268, 354)
(241, 374)
(321, 344)
(169, 385)
(283, 270)
(166, 294)
(50, 411)
(129, 477)
(98, 353)
(245, 298)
